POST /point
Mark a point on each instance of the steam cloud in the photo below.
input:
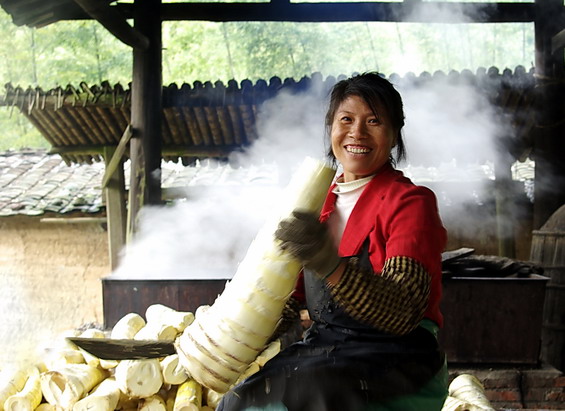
(208, 234)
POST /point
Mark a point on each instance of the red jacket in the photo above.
(400, 219)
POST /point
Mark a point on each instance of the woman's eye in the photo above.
(374, 121)
(345, 118)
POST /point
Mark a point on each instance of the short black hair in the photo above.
(377, 92)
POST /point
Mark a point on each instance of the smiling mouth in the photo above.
(357, 150)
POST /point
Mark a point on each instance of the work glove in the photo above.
(309, 241)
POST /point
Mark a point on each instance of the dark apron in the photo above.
(341, 364)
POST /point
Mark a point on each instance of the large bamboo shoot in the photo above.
(64, 387)
(159, 313)
(173, 372)
(466, 393)
(126, 327)
(153, 403)
(29, 398)
(225, 338)
(104, 397)
(189, 396)
(139, 378)
(12, 380)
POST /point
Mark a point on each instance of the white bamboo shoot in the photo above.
(468, 389)
(104, 397)
(12, 380)
(173, 372)
(126, 328)
(155, 331)
(45, 406)
(454, 404)
(64, 387)
(159, 313)
(268, 353)
(139, 378)
(189, 396)
(226, 337)
(153, 403)
(29, 398)
(213, 398)
(125, 402)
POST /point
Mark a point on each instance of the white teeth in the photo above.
(357, 150)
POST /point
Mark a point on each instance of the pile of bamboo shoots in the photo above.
(220, 346)
(69, 378)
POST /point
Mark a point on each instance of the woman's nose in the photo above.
(357, 130)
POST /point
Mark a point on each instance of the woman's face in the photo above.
(361, 142)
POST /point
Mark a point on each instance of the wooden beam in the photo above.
(549, 151)
(114, 22)
(117, 157)
(558, 42)
(146, 113)
(408, 11)
(166, 151)
(335, 12)
(115, 192)
(74, 220)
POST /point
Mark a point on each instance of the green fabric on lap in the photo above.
(431, 397)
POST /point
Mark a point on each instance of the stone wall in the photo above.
(50, 275)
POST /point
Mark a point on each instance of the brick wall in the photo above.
(540, 388)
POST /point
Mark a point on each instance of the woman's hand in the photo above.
(309, 241)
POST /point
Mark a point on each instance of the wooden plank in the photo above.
(117, 158)
(114, 190)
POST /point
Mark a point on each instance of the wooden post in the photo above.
(505, 212)
(548, 145)
(115, 192)
(146, 112)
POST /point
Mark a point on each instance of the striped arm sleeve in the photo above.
(394, 301)
(290, 317)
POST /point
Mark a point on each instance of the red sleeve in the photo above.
(299, 291)
(416, 230)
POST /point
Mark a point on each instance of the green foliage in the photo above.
(72, 52)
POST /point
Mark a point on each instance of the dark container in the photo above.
(123, 296)
(493, 320)
(548, 250)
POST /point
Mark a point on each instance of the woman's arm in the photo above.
(394, 301)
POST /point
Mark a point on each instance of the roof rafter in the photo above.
(113, 20)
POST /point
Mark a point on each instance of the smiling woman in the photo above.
(364, 120)
(371, 278)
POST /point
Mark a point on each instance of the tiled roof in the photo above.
(210, 120)
(33, 182)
